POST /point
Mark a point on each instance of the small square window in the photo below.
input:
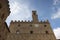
(30, 25)
(0, 36)
(46, 32)
(18, 24)
(31, 32)
(0, 6)
(45, 25)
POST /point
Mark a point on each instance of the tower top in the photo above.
(34, 16)
(34, 11)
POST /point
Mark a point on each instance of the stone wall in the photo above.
(4, 12)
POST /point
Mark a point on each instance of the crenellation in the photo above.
(15, 21)
(18, 20)
(47, 20)
(11, 21)
(22, 21)
(28, 21)
(25, 21)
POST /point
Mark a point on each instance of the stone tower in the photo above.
(34, 30)
(4, 12)
(34, 16)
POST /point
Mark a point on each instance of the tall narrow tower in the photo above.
(34, 16)
(4, 12)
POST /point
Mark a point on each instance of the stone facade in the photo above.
(4, 12)
(23, 30)
(31, 30)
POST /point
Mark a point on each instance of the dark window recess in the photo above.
(47, 32)
(31, 32)
(45, 25)
(30, 25)
(18, 24)
(0, 6)
(0, 36)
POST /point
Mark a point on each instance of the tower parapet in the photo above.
(34, 16)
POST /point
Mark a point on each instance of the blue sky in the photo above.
(46, 9)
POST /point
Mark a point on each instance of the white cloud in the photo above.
(57, 33)
(56, 9)
(56, 15)
(19, 11)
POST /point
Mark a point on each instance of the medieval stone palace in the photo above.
(31, 30)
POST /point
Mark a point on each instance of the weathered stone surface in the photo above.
(31, 30)
(4, 12)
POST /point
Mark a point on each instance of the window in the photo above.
(0, 6)
(0, 36)
(47, 32)
(18, 25)
(30, 25)
(31, 32)
(45, 25)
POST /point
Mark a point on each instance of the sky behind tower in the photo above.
(46, 9)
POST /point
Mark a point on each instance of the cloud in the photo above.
(57, 33)
(19, 11)
(56, 9)
(55, 2)
(56, 15)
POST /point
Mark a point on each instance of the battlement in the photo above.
(28, 21)
(20, 21)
